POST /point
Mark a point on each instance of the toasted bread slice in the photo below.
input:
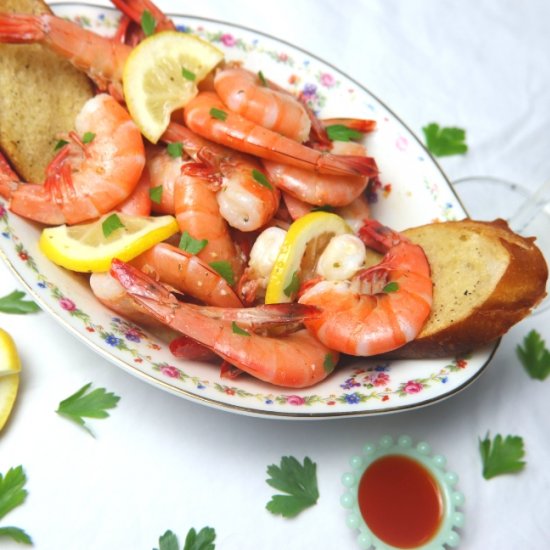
(486, 279)
(41, 96)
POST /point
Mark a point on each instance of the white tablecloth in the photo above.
(160, 462)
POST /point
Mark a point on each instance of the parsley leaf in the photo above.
(299, 482)
(262, 79)
(339, 132)
(175, 149)
(14, 303)
(110, 224)
(203, 540)
(168, 541)
(392, 286)
(238, 330)
(89, 405)
(501, 456)
(293, 286)
(218, 113)
(155, 194)
(88, 137)
(187, 74)
(223, 267)
(445, 141)
(329, 363)
(148, 23)
(534, 356)
(13, 494)
(190, 244)
(261, 178)
(60, 144)
(18, 535)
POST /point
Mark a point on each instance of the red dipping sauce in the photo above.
(400, 501)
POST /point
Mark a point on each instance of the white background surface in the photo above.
(160, 462)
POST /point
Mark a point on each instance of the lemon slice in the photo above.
(85, 248)
(161, 75)
(10, 365)
(305, 240)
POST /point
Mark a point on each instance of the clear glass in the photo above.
(527, 213)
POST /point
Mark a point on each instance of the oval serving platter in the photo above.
(412, 190)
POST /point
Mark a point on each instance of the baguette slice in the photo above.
(41, 94)
(486, 279)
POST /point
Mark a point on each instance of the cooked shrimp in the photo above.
(222, 330)
(164, 170)
(246, 198)
(247, 94)
(383, 307)
(187, 274)
(134, 9)
(139, 202)
(320, 189)
(198, 213)
(101, 58)
(207, 116)
(85, 180)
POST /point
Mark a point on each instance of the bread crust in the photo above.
(41, 96)
(521, 287)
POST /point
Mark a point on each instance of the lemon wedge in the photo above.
(85, 247)
(161, 75)
(10, 365)
(305, 240)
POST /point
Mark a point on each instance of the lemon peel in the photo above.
(85, 248)
(161, 75)
(301, 235)
(10, 366)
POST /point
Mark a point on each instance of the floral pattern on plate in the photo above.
(411, 190)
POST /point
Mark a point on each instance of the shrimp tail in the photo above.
(378, 236)
(346, 165)
(363, 125)
(20, 28)
(9, 180)
(161, 303)
(134, 9)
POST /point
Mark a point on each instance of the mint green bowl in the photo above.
(435, 464)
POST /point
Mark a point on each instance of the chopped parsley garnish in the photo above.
(155, 194)
(175, 149)
(12, 495)
(293, 286)
(534, 356)
(190, 244)
(148, 23)
(298, 481)
(189, 75)
(238, 330)
(501, 456)
(14, 303)
(88, 137)
(110, 224)
(60, 144)
(223, 267)
(262, 79)
(261, 178)
(329, 363)
(391, 287)
(218, 114)
(82, 405)
(443, 142)
(340, 132)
